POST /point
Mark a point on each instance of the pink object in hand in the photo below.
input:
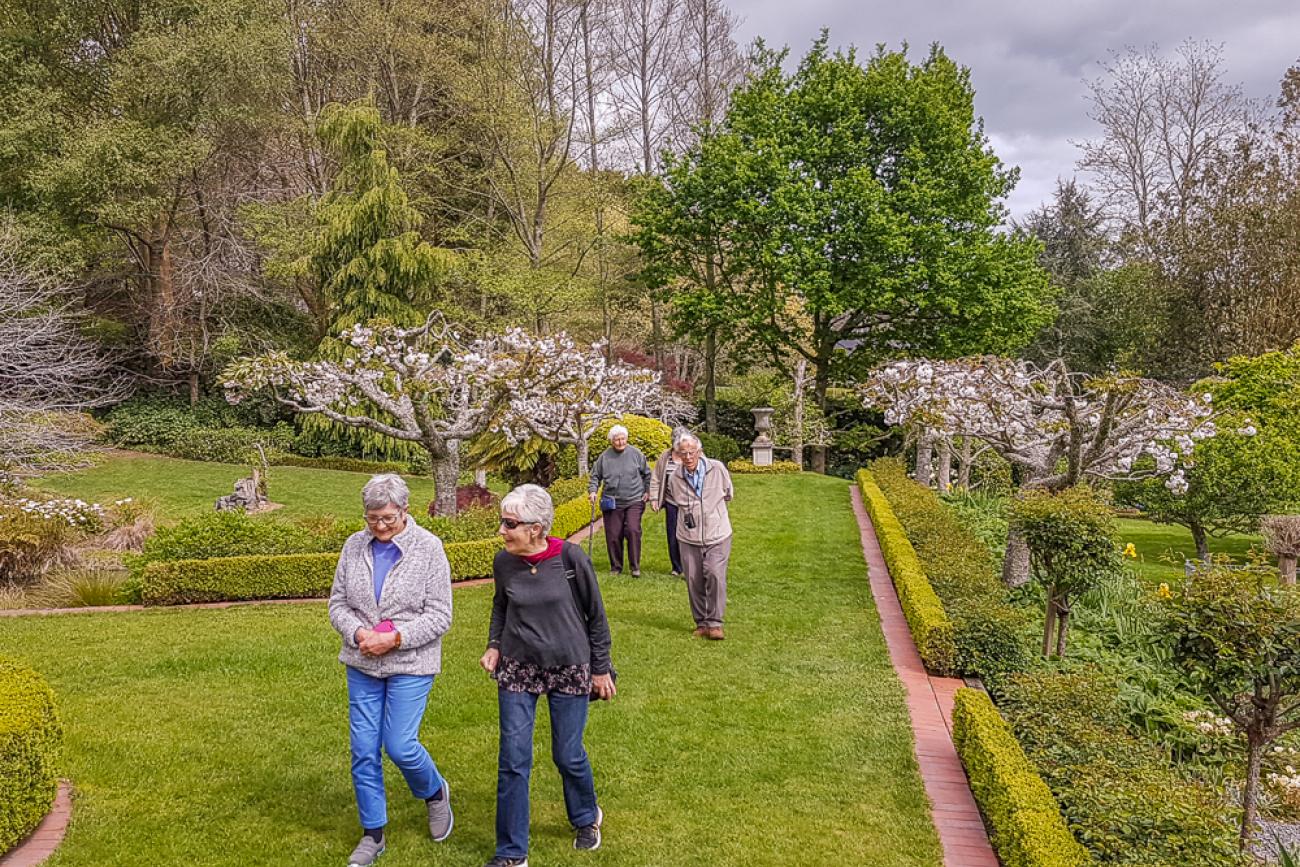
(385, 626)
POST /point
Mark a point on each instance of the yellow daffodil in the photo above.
(1130, 551)
(1163, 591)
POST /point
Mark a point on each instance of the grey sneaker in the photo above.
(498, 861)
(367, 852)
(588, 836)
(440, 817)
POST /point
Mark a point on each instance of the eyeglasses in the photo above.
(383, 520)
(511, 523)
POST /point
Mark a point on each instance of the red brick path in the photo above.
(929, 701)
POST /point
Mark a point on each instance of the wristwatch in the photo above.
(397, 639)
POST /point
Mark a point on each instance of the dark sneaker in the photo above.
(367, 852)
(498, 861)
(440, 818)
(588, 837)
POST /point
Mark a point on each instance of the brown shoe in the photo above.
(714, 633)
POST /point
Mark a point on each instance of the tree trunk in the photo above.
(446, 473)
(1062, 629)
(194, 387)
(710, 382)
(1049, 621)
(1286, 568)
(925, 459)
(584, 458)
(1015, 564)
(964, 463)
(1202, 541)
(480, 477)
(821, 382)
(656, 334)
(796, 436)
(1249, 794)
(945, 465)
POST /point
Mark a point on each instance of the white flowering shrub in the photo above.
(37, 535)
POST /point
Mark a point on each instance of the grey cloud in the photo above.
(1029, 61)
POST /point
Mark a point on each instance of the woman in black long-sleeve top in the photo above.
(549, 636)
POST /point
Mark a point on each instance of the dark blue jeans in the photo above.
(515, 763)
(670, 525)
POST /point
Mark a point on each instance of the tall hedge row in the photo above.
(31, 743)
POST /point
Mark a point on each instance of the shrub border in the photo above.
(297, 576)
(746, 467)
(931, 628)
(31, 746)
(1028, 829)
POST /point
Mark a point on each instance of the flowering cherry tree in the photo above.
(430, 386)
(578, 389)
(1057, 427)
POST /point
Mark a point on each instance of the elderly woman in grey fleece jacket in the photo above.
(391, 604)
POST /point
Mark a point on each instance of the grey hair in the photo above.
(385, 489)
(687, 435)
(530, 503)
(616, 430)
(679, 432)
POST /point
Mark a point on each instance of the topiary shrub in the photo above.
(31, 744)
(719, 447)
(232, 534)
(1026, 826)
(563, 490)
(343, 464)
(746, 467)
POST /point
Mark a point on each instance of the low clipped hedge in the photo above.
(1027, 827)
(31, 746)
(931, 629)
(991, 636)
(1122, 798)
(306, 576)
(746, 467)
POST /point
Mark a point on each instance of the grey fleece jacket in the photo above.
(416, 597)
(625, 474)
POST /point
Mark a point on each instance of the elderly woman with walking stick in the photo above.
(625, 474)
(661, 497)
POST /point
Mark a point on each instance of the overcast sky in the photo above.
(1029, 61)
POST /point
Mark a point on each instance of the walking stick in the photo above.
(591, 531)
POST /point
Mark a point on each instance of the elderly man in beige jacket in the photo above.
(701, 488)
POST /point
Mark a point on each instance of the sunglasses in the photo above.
(511, 523)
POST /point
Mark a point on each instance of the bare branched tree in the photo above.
(48, 370)
(1163, 119)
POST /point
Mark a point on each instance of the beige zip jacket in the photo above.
(702, 518)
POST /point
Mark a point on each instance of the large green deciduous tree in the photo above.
(854, 205)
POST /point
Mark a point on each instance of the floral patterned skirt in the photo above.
(515, 676)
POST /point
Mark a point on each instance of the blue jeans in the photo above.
(515, 763)
(386, 712)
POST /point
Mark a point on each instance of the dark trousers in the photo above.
(670, 525)
(515, 764)
(624, 523)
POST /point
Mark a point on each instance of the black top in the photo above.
(552, 618)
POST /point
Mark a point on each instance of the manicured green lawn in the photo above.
(180, 488)
(1163, 547)
(219, 736)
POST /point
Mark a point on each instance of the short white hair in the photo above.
(384, 490)
(679, 432)
(531, 503)
(616, 430)
(686, 436)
